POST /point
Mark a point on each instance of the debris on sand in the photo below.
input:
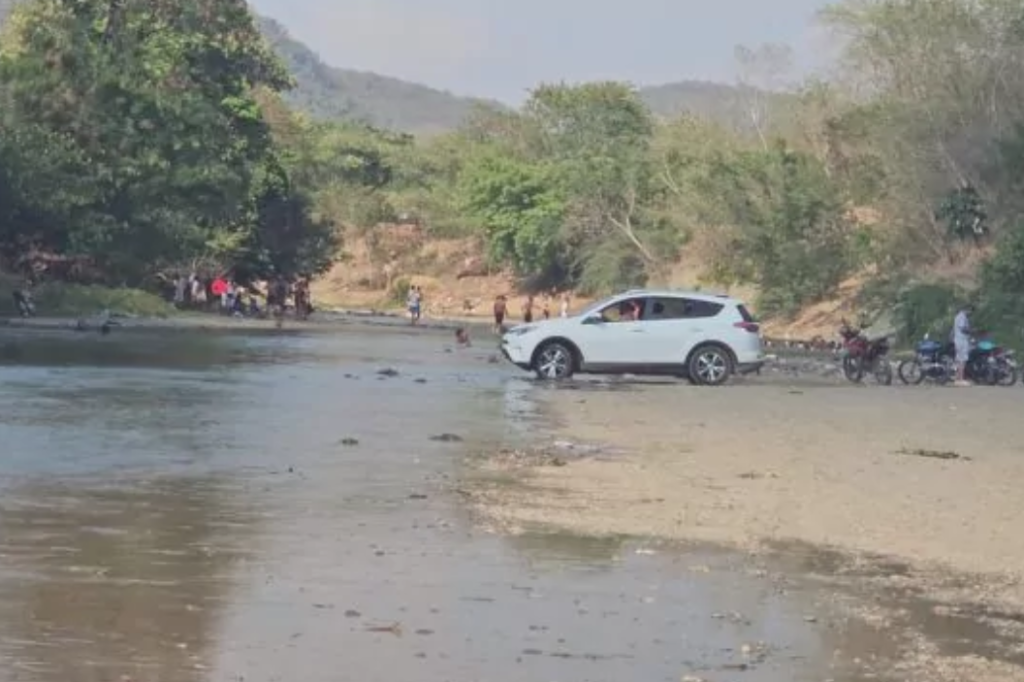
(556, 454)
(393, 629)
(756, 652)
(348, 442)
(514, 458)
(387, 372)
(447, 438)
(933, 454)
(757, 475)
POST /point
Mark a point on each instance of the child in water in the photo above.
(462, 337)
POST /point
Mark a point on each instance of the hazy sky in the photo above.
(499, 48)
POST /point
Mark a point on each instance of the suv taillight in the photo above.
(752, 327)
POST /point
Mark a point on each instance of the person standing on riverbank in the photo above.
(302, 300)
(198, 291)
(219, 289)
(277, 299)
(528, 310)
(500, 305)
(961, 338)
(414, 302)
(180, 291)
(564, 311)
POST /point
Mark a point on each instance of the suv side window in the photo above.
(621, 311)
(680, 309)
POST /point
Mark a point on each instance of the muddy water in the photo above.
(273, 508)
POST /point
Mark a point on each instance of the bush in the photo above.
(399, 293)
(926, 309)
(74, 300)
(1002, 315)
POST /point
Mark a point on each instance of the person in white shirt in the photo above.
(961, 337)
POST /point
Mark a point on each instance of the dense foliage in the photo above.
(131, 138)
(143, 137)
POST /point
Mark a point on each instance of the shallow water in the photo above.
(182, 508)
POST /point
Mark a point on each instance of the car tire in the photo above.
(554, 361)
(710, 365)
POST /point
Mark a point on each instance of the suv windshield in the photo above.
(598, 306)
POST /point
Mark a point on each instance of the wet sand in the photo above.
(916, 489)
(285, 506)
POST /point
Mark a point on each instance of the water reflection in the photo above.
(146, 349)
(100, 583)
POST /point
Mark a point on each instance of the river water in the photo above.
(200, 507)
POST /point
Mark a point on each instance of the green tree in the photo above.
(788, 230)
(590, 145)
(521, 208)
(155, 107)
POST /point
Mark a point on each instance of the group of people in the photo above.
(231, 298)
(528, 307)
(414, 306)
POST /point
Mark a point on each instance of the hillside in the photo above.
(329, 92)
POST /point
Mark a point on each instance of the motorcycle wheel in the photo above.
(1007, 375)
(883, 371)
(910, 372)
(853, 369)
(982, 373)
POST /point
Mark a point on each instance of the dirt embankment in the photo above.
(457, 282)
(922, 485)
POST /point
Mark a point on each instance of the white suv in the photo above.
(702, 337)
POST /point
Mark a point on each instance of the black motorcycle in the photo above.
(932, 361)
(991, 365)
(987, 364)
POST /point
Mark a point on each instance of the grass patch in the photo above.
(59, 299)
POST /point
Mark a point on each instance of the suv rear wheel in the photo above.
(710, 365)
(554, 361)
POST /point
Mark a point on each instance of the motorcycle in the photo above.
(932, 361)
(987, 363)
(863, 355)
(1007, 371)
(991, 365)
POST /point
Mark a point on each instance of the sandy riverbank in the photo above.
(768, 468)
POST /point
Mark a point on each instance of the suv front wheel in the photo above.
(710, 365)
(554, 361)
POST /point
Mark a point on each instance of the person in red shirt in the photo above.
(219, 289)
